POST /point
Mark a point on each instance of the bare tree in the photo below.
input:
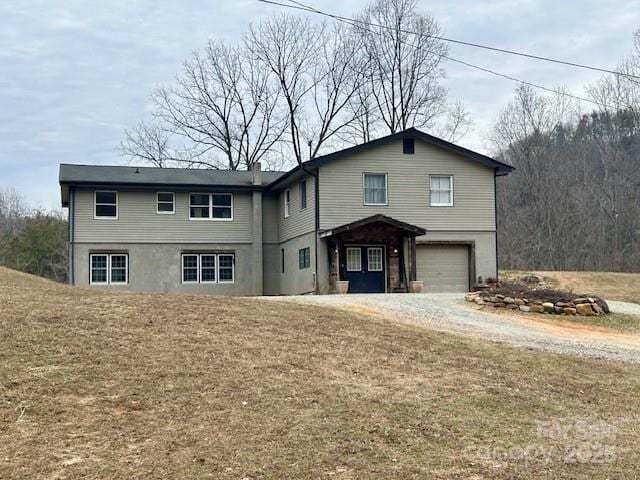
(318, 72)
(221, 114)
(12, 209)
(404, 63)
(148, 142)
(455, 124)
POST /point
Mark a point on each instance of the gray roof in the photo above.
(153, 177)
(150, 176)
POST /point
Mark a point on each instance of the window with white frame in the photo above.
(225, 268)
(441, 188)
(208, 268)
(211, 206)
(166, 203)
(354, 259)
(375, 188)
(109, 268)
(287, 202)
(374, 259)
(106, 204)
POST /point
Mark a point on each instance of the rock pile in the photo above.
(586, 306)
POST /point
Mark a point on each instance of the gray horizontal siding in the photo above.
(270, 220)
(138, 221)
(299, 221)
(341, 195)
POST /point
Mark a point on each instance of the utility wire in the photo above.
(302, 6)
(352, 22)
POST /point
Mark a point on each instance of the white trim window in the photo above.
(108, 268)
(190, 268)
(287, 202)
(374, 259)
(374, 187)
(165, 203)
(208, 268)
(226, 268)
(211, 206)
(105, 204)
(441, 190)
(354, 259)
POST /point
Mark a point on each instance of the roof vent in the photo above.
(137, 170)
(408, 146)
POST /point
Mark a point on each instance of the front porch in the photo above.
(375, 255)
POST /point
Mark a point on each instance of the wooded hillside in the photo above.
(574, 201)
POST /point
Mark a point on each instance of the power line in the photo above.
(302, 6)
(441, 55)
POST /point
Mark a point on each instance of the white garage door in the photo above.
(443, 268)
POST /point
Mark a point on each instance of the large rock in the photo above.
(508, 300)
(518, 301)
(524, 308)
(537, 308)
(581, 300)
(557, 310)
(512, 306)
(596, 308)
(562, 304)
(569, 310)
(479, 300)
(584, 309)
(548, 307)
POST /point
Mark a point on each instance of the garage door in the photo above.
(443, 268)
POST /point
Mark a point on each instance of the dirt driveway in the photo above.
(449, 313)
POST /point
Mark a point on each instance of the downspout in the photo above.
(495, 215)
(316, 196)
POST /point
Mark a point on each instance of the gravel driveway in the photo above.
(449, 313)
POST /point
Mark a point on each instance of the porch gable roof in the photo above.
(406, 228)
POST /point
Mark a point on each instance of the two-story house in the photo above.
(405, 207)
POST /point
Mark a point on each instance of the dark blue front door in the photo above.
(365, 268)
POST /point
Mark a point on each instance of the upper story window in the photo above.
(441, 187)
(106, 204)
(166, 202)
(375, 188)
(303, 194)
(211, 206)
(287, 203)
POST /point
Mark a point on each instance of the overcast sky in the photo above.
(74, 74)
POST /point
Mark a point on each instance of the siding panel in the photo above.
(270, 218)
(341, 195)
(299, 221)
(138, 221)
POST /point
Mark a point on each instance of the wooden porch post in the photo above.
(412, 256)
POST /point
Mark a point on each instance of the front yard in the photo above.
(108, 385)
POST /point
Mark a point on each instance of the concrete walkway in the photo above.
(449, 313)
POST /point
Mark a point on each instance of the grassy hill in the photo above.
(112, 385)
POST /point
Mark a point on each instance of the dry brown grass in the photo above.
(114, 385)
(624, 287)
